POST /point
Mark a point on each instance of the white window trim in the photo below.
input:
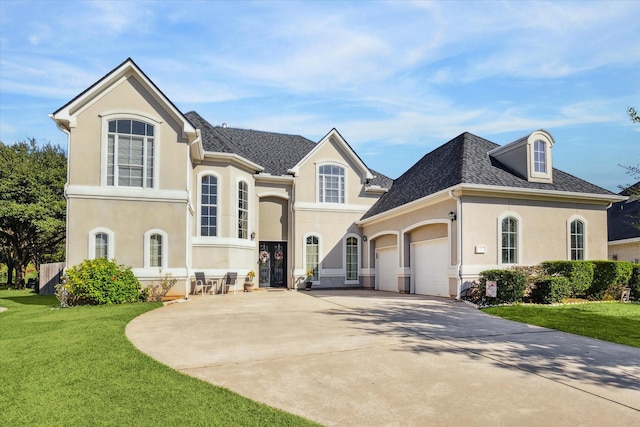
(304, 254)
(534, 176)
(199, 204)
(111, 242)
(345, 168)
(237, 207)
(133, 115)
(147, 249)
(584, 240)
(520, 238)
(344, 258)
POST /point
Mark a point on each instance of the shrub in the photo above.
(634, 282)
(579, 273)
(99, 281)
(511, 284)
(551, 289)
(158, 289)
(607, 273)
(531, 274)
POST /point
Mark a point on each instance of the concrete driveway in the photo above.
(364, 358)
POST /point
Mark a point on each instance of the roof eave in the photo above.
(235, 158)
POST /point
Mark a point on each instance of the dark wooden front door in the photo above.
(273, 264)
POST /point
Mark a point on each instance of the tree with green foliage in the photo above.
(634, 171)
(32, 205)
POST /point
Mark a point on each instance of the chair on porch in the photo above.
(203, 283)
(229, 280)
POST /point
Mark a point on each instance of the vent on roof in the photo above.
(224, 125)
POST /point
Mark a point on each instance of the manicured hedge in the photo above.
(511, 284)
(579, 273)
(609, 274)
(550, 289)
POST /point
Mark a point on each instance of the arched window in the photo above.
(509, 240)
(243, 210)
(330, 184)
(156, 249)
(352, 261)
(209, 206)
(576, 238)
(130, 153)
(312, 251)
(102, 245)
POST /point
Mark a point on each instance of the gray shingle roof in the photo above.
(623, 218)
(464, 160)
(276, 152)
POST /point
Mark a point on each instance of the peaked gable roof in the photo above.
(277, 153)
(65, 114)
(465, 160)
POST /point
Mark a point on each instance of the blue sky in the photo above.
(397, 79)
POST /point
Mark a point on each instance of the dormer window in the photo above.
(539, 156)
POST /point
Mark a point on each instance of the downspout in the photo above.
(293, 235)
(66, 185)
(187, 254)
(458, 242)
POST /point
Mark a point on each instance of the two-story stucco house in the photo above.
(167, 192)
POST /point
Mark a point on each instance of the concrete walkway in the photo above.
(365, 358)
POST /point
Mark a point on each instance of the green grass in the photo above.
(75, 366)
(614, 322)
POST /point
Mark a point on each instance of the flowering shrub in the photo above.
(158, 289)
(99, 281)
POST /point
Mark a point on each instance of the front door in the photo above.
(273, 264)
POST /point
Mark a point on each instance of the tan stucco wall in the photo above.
(273, 219)
(86, 141)
(543, 234)
(128, 220)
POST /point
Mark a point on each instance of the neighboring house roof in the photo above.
(623, 218)
(277, 153)
(465, 160)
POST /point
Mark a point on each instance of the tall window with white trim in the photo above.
(509, 239)
(577, 240)
(101, 245)
(209, 206)
(352, 258)
(130, 153)
(155, 250)
(331, 184)
(243, 210)
(312, 250)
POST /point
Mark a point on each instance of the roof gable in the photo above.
(334, 137)
(65, 116)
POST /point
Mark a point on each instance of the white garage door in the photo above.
(430, 262)
(386, 269)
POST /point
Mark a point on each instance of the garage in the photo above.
(430, 264)
(386, 269)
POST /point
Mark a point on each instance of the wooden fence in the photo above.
(50, 276)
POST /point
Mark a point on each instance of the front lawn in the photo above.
(75, 366)
(614, 322)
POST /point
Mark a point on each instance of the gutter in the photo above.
(187, 254)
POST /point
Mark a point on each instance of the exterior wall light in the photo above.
(452, 216)
(253, 235)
